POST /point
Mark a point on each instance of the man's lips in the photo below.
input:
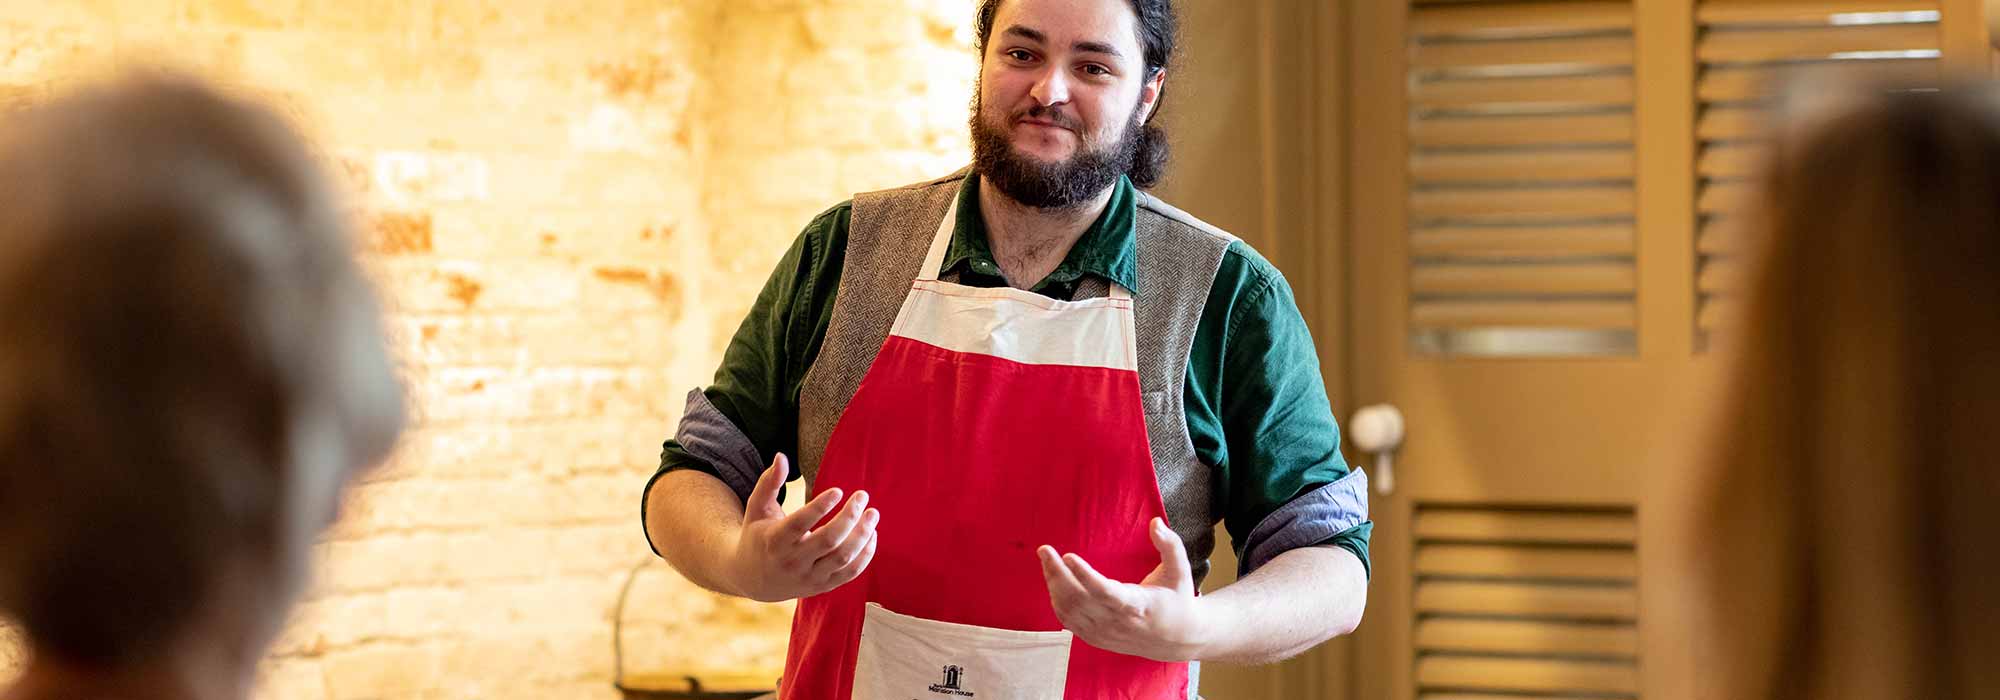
(1044, 123)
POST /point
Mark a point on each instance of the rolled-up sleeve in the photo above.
(1278, 458)
(734, 427)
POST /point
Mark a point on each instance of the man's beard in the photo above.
(1061, 185)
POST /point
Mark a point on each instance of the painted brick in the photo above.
(548, 448)
(382, 671)
(12, 653)
(569, 206)
(292, 679)
(503, 396)
(594, 338)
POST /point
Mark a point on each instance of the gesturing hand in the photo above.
(1158, 618)
(780, 557)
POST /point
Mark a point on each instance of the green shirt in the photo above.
(1256, 408)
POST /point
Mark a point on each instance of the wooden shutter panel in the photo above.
(1743, 48)
(1526, 602)
(1521, 170)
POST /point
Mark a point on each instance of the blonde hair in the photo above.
(1849, 501)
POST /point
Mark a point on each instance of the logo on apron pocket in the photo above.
(910, 658)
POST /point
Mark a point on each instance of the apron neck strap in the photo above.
(941, 242)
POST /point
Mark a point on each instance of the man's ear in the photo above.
(1150, 94)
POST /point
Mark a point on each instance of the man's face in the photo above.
(1062, 92)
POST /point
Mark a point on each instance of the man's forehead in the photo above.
(1107, 23)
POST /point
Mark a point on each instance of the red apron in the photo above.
(991, 422)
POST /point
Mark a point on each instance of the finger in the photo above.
(1105, 592)
(854, 568)
(1065, 593)
(801, 521)
(1063, 585)
(763, 501)
(831, 535)
(849, 547)
(1173, 554)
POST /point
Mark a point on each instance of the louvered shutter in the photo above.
(1521, 171)
(1526, 603)
(1744, 47)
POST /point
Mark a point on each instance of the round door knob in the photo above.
(1378, 430)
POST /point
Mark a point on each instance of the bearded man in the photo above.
(1020, 398)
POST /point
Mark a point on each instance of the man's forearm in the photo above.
(1291, 604)
(694, 520)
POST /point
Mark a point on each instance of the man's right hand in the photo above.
(780, 557)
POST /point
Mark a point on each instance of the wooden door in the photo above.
(1541, 197)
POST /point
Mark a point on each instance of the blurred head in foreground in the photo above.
(1849, 500)
(191, 367)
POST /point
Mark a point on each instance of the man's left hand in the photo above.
(1158, 618)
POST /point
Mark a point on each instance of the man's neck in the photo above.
(1029, 243)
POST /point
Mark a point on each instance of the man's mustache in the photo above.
(1052, 115)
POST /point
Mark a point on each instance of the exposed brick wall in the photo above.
(10, 652)
(569, 204)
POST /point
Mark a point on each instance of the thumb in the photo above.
(763, 503)
(1173, 556)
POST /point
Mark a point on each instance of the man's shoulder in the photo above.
(1239, 259)
(952, 180)
(1168, 213)
(1241, 262)
(836, 215)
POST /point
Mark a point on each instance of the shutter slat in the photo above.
(1746, 83)
(1516, 166)
(1729, 161)
(1798, 11)
(1515, 204)
(1468, 132)
(1527, 601)
(1721, 235)
(1735, 84)
(1718, 312)
(1521, 242)
(1520, 18)
(1551, 279)
(1522, 562)
(1720, 276)
(1524, 314)
(1582, 51)
(1819, 43)
(1527, 675)
(1723, 197)
(1520, 637)
(1526, 526)
(1730, 123)
(1582, 90)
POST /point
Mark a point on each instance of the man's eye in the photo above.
(1020, 55)
(1095, 69)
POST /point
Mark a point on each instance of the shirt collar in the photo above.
(1106, 249)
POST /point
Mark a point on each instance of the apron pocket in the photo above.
(911, 658)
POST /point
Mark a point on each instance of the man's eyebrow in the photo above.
(1026, 33)
(1098, 47)
(1038, 37)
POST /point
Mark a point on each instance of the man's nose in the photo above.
(1052, 87)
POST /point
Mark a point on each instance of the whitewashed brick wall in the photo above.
(570, 205)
